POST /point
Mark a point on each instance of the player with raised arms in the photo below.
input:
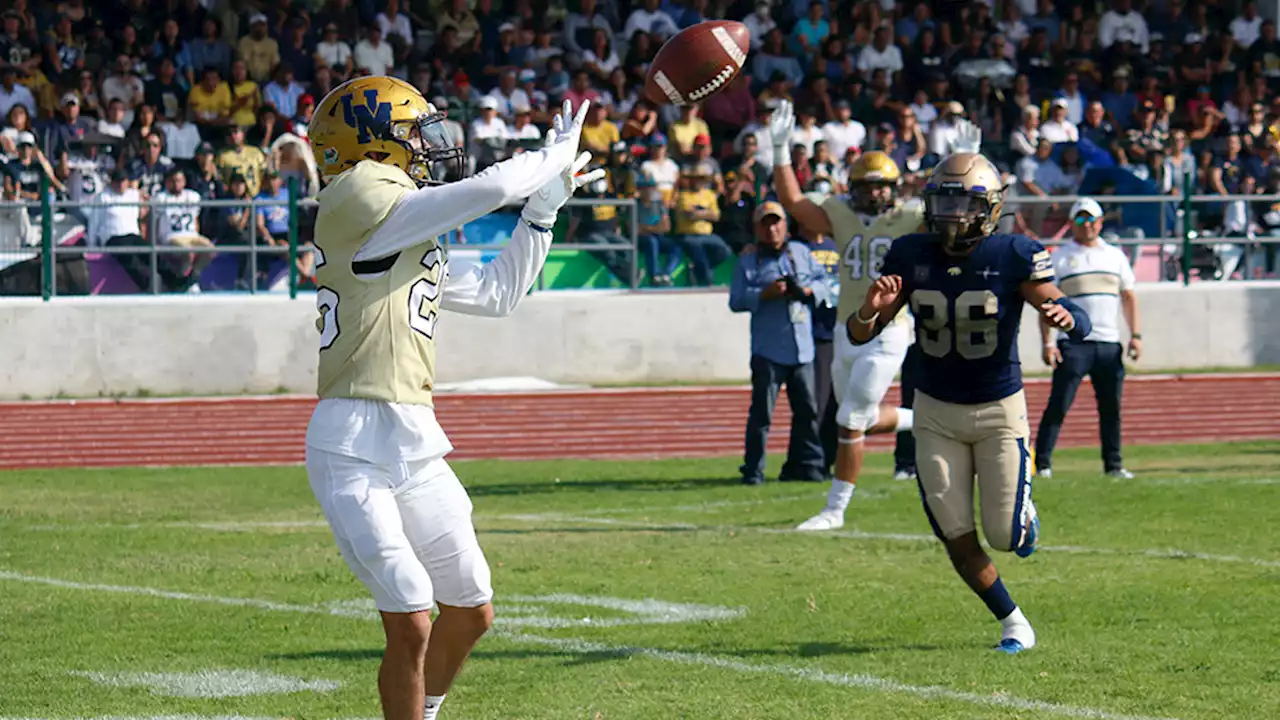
(864, 226)
(966, 288)
(375, 452)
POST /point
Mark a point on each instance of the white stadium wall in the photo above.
(205, 345)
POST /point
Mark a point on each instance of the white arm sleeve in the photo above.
(494, 289)
(429, 212)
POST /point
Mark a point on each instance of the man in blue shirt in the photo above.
(273, 220)
(779, 285)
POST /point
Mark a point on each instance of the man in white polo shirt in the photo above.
(1099, 278)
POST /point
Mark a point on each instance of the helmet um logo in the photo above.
(370, 120)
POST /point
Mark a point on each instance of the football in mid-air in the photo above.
(697, 63)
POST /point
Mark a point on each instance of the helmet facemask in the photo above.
(960, 217)
(434, 159)
(873, 197)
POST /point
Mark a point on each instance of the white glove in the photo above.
(781, 124)
(968, 137)
(542, 207)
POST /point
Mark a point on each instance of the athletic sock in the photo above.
(998, 600)
(1015, 618)
(906, 418)
(839, 495)
(433, 707)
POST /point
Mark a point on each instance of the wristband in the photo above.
(781, 156)
(1049, 346)
(869, 321)
(1135, 336)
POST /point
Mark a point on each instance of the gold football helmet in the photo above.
(385, 120)
(873, 182)
(962, 199)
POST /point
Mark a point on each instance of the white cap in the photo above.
(1061, 102)
(488, 102)
(26, 138)
(257, 18)
(1089, 206)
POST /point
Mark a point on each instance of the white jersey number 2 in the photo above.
(869, 267)
(424, 294)
(422, 297)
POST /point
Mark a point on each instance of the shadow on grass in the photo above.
(825, 649)
(357, 655)
(593, 530)
(589, 486)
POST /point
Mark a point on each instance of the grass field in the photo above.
(218, 592)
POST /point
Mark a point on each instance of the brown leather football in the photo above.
(697, 63)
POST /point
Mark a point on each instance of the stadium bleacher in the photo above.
(96, 80)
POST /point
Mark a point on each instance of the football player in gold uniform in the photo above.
(375, 452)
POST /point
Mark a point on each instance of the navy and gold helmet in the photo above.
(963, 198)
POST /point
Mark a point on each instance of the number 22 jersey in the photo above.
(967, 311)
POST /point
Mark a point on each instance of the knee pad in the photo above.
(857, 417)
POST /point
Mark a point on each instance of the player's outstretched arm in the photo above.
(810, 216)
(1057, 310)
(494, 289)
(427, 213)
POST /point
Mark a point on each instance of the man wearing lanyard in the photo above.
(779, 285)
(1099, 278)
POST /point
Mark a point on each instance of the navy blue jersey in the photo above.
(967, 312)
(824, 316)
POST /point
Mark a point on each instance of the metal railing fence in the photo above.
(1177, 235)
(48, 251)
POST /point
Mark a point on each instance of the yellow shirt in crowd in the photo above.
(682, 134)
(599, 138)
(689, 200)
(246, 115)
(247, 161)
(209, 106)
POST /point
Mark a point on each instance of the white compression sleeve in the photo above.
(494, 289)
(432, 211)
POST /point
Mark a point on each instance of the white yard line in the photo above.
(211, 683)
(191, 597)
(793, 672)
(815, 675)
(1158, 553)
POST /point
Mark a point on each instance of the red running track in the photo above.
(631, 423)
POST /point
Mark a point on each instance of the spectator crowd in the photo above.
(110, 96)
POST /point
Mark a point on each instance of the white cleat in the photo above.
(825, 520)
(904, 475)
(1045, 473)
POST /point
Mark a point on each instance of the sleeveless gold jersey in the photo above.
(377, 330)
(862, 247)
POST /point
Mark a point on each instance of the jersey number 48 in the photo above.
(969, 325)
(868, 266)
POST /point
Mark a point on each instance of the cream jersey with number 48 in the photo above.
(377, 330)
(863, 242)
